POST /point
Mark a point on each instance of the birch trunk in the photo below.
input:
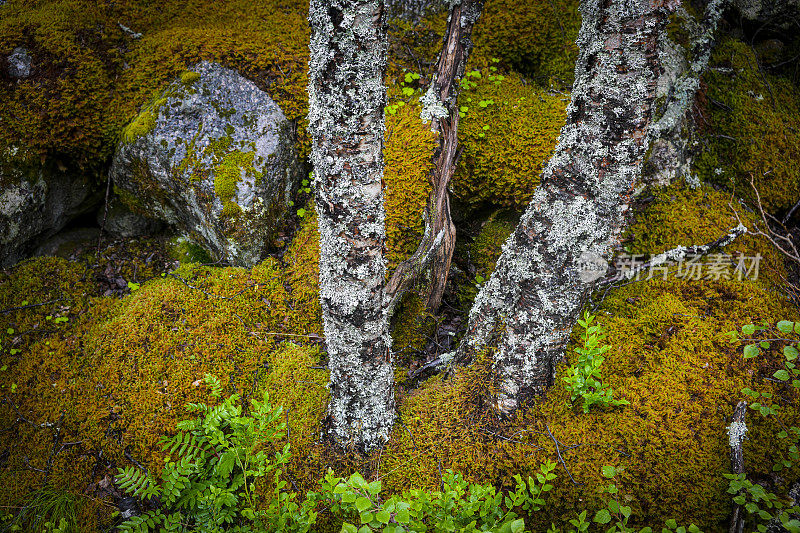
(346, 106)
(531, 302)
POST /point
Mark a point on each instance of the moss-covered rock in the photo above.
(752, 130)
(213, 156)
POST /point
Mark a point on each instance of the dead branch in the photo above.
(435, 251)
(736, 434)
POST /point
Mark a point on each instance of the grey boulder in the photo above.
(20, 63)
(213, 156)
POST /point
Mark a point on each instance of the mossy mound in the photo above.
(508, 133)
(90, 76)
(753, 128)
(532, 37)
(112, 376)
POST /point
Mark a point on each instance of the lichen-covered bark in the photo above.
(530, 304)
(346, 101)
(440, 102)
(671, 154)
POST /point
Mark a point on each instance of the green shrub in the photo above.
(584, 380)
(211, 483)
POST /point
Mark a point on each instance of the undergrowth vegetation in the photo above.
(93, 380)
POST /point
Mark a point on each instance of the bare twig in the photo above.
(561, 459)
(10, 309)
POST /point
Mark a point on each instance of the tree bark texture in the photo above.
(736, 434)
(347, 97)
(672, 150)
(435, 251)
(531, 302)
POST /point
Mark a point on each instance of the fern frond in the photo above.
(135, 482)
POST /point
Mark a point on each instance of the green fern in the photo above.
(138, 483)
(214, 462)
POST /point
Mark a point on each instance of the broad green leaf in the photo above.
(602, 516)
(750, 351)
(782, 375)
(362, 504)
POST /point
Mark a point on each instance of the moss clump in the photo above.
(144, 123)
(185, 251)
(753, 128)
(508, 132)
(680, 216)
(227, 174)
(189, 77)
(532, 37)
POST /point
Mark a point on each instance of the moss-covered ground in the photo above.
(92, 374)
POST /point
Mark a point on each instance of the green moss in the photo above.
(185, 251)
(412, 327)
(532, 37)
(144, 122)
(227, 174)
(407, 154)
(679, 216)
(91, 78)
(508, 133)
(752, 128)
(189, 77)
(486, 248)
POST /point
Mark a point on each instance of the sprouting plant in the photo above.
(210, 473)
(762, 505)
(584, 380)
(48, 510)
(459, 506)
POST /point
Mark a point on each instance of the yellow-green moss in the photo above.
(90, 77)
(185, 251)
(752, 130)
(671, 359)
(508, 132)
(532, 37)
(680, 216)
(189, 77)
(407, 154)
(227, 174)
(486, 248)
(412, 327)
(144, 122)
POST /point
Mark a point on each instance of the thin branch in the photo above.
(10, 309)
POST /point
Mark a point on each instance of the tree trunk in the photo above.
(346, 108)
(435, 251)
(671, 153)
(531, 302)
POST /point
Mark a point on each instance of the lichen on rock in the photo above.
(213, 156)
